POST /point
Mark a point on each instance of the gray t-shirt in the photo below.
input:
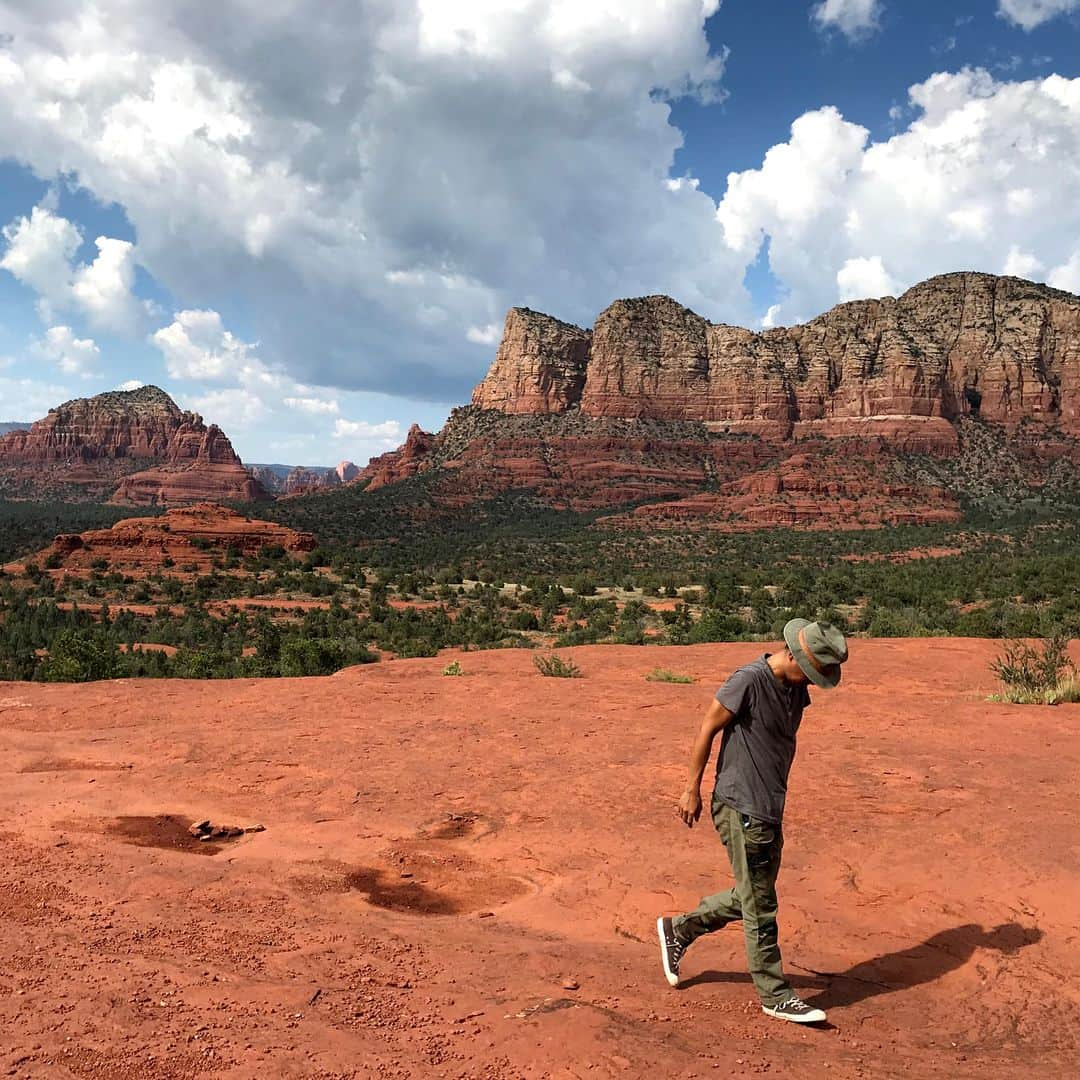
(759, 744)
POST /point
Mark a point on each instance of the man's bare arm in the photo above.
(689, 808)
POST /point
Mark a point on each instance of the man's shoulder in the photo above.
(752, 671)
(739, 687)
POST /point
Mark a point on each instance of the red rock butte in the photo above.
(133, 447)
(194, 535)
(716, 423)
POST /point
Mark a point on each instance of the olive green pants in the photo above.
(754, 849)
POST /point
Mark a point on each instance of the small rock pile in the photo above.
(207, 830)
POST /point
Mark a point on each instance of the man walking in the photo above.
(759, 710)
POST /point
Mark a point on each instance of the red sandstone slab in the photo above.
(931, 872)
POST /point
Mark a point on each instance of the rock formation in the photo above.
(192, 536)
(657, 404)
(346, 471)
(958, 344)
(406, 461)
(135, 444)
(539, 368)
(300, 479)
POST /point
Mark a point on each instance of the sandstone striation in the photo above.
(804, 491)
(959, 344)
(191, 536)
(658, 405)
(539, 368)
(137, 444)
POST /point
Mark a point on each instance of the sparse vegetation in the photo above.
(556, 667)
(1037, 674)
(513, 574)
(453, 668)
(663, 675)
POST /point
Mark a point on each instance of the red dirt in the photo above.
(459, 877)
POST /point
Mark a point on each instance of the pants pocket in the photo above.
(759, 838)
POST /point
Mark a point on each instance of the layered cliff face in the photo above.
(1003, 348)
(723, 425)
(138, 423)
(539, 368)
(135, 444)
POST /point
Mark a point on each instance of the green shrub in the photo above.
(81, 656)
(453, 668)
(557, 668)
(319, 656)
(1037, 677)
(663, 675)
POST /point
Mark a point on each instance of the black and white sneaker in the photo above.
(672, 948)
(795, 1010)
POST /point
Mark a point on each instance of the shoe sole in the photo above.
(673, 979)
(816, 1017)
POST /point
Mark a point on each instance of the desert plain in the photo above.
(460, 877)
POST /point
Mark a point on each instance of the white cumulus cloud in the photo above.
(1021, 263)
(131, 384)
(72, 355)
(985, 167)
(313, 406)
(41, 251)
(1032, 13)
(30, 399)
(860, 277)
(484, 335)
(389, 431)
(855, 19)
(371, 184)
(233, 409)
(197, 346)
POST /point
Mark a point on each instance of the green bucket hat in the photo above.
(819, 648)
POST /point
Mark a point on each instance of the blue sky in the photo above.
(312, 232)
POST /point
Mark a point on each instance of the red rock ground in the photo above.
(459, 877)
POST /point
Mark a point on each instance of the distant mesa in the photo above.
(130, 447)
(14, 425)
(814, 426)
(301, 479)
(192, 538)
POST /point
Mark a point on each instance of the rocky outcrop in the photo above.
(188, 482)
(657, 405)
(346, 472)
(958, 344)
(409, 459)
(300, 479)
(135, 444)
(192, 538)
(804, 491)
(122, 424)
(539, 368)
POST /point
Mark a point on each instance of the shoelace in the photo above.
(795, 1004)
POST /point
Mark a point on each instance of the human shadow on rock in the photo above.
(926, 962)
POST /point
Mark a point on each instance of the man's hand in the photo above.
(689, 808)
